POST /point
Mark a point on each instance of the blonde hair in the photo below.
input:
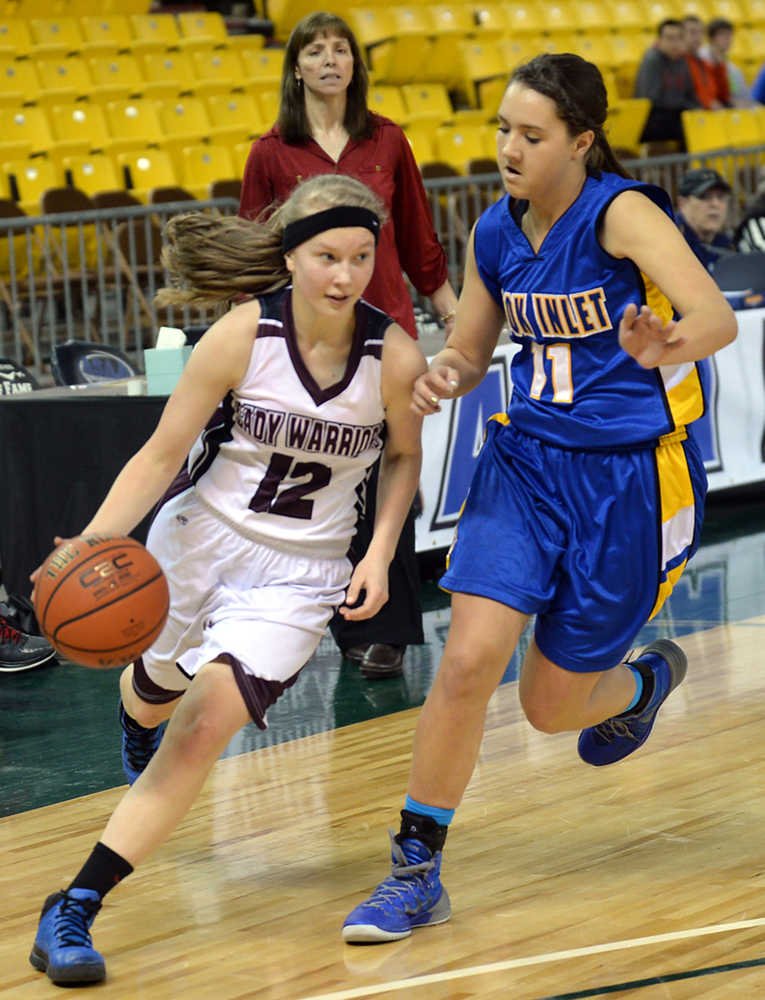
(214, 258)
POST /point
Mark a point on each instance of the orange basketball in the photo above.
(101, 601)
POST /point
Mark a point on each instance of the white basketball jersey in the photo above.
(284, 461)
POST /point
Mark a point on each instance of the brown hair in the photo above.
(213, 258)
(577, 89)
(293, 121)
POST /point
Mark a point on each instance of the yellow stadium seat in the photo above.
(625, 123)
(394, 54)
(492, 22)
(387, 100)
(452, 19)
(427, 102)
(268, 101)
(704, 130)
(698, 8)
(64, 78)
(92, 173)
(79, 127)
(235, 117)
(262, 68)
(184, 122)
(754, 12)
(218, 71)
(27, 179)
(527, 17)
(107, 33)
(167, 73)
(208, 25)
(592, 15)
(479, 62)
(560, 16)
(203, 164)
(517, 50)
(147, 169)
(731, 10)
(20, 81)
(133, 124)
(458, 145)
(656, 11)
(15, 36)
(742, 126)
(596, 47)
(56, 34)
(421, 136)
(240, 151)
(116, 77)
(154, 31)
(628, 15)
(28, 124)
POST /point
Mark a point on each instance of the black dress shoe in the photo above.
(379, 660)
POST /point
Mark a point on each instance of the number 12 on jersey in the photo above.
(293, 500)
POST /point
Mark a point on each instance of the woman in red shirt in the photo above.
(324, 126)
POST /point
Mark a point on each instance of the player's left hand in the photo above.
(643, 336)
(369, 586)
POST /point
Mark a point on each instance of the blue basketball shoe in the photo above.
(138, 745)
(62, 946)
(621, 735)
(412, 896)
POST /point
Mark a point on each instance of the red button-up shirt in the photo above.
(384, 163)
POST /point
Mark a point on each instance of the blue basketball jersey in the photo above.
(573, 385)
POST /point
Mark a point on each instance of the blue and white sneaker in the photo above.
(620, 736)
(63, 947)
(138, 747)
(412, 896)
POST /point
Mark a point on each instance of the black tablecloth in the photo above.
(58, 457)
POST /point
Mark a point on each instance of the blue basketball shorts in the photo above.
(591, 542)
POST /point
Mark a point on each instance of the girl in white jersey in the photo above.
(283, 407)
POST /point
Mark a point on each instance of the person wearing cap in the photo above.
(703, 200)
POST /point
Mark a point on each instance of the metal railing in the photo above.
(93, 275)
(88, 276)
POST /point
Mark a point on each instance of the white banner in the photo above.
(731, 434)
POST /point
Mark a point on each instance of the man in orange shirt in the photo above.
(710, 80)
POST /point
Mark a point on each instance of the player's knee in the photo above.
(542, 712)
(465, 675)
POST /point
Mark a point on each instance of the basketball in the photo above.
(100, 601)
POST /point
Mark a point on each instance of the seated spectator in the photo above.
(720, 39)
(750, 232)
(664, 78)
(710, 80)
(703, 201)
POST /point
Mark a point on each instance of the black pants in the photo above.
(399, 621)
(664, 125)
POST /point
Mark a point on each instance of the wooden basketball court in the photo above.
(646, 879)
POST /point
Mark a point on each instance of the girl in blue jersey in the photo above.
(588, 495)
(312, 384)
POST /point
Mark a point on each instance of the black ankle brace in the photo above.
(423, 828)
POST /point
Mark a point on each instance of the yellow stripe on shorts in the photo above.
(678, 515)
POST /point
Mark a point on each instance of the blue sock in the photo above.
(639, 683)
(442, 816)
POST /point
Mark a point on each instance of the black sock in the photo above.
(102, 871)
(649, 684)
(422, 828)
(131, 725)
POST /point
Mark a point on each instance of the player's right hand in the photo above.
(434, 385)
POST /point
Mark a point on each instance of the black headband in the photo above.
(300, 230)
